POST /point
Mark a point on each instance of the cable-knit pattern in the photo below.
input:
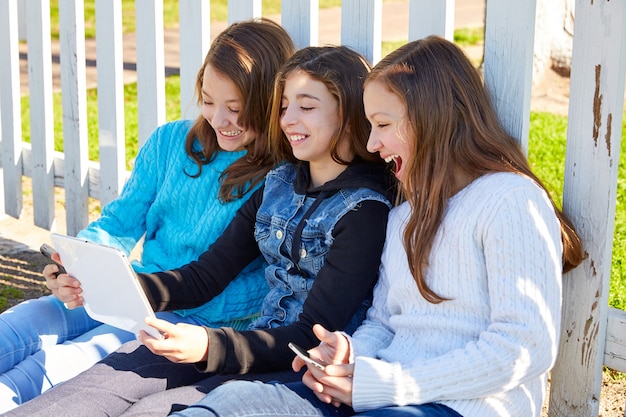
(486, 351)
(180, 216)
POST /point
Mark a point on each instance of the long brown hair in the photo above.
(452, 124)
(343, 72)
(249, 53)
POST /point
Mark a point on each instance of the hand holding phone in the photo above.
(47, 251)
(304, 355)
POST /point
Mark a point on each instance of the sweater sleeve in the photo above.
(347, 277)
(521, 252)
(123, 221)
(198, 282)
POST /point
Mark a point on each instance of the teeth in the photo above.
(296, 138)
(390, 158)
(231, 133)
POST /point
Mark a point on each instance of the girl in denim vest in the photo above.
(319, 221)
(465, 316)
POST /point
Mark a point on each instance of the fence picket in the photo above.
(509, 40)
(150, 67)
(361, 27)
(239, 10)
(300, 20)
(589, 197)
(195, 39)
(10, 114)
(431, 18)
(41, 114)
(110, 65)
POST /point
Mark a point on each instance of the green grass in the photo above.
(7, 292)
(462, 37)
(469, 37)
(546, 144)
(219, 13)
(172, 112)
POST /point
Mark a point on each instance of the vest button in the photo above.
(279, 234)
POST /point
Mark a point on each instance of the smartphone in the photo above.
(304, 355)
(47, 251)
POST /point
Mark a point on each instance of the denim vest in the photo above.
(276, 221)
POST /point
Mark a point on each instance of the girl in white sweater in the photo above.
(466, 314)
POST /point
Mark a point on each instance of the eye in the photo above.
(382, 125)
(283, 106)
(305, 109)
(233, 110)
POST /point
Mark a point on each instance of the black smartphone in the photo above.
(304, 355)
(47, 251)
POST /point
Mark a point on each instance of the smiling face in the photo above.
(221, 105)
(388, 116)
(309, 118)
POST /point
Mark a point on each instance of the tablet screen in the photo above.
(111, 290)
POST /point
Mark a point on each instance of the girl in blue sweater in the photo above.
(188, 181)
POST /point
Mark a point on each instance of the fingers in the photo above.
(50, 271)
(322, 334)
(346, 370)
(65, 280)
(163, 326)
(297, 363)
(182, 343)
(54, 281)
(334, 390)
(64, 287)
(310, 381)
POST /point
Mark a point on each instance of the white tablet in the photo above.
(111, 290)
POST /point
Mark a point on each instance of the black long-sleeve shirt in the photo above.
(347, 277)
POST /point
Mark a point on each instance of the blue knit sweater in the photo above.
(179, 217)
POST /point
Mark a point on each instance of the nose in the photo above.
(220, 117)
(373, 144)
(287, 117)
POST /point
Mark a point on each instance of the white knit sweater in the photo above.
(486, 351)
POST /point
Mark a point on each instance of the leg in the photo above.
(58, 363)
(112, 385)
(247, 399)
(424, 410)
(34, 324)
(163, 403)
(250, 399)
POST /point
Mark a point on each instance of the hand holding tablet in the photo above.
(112, 294)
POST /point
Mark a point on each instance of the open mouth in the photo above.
(397, 161)
(297, 138)
(230, 133)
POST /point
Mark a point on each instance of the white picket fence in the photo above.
(593, 334)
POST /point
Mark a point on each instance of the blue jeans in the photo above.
(248, 399)
(42, 344)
